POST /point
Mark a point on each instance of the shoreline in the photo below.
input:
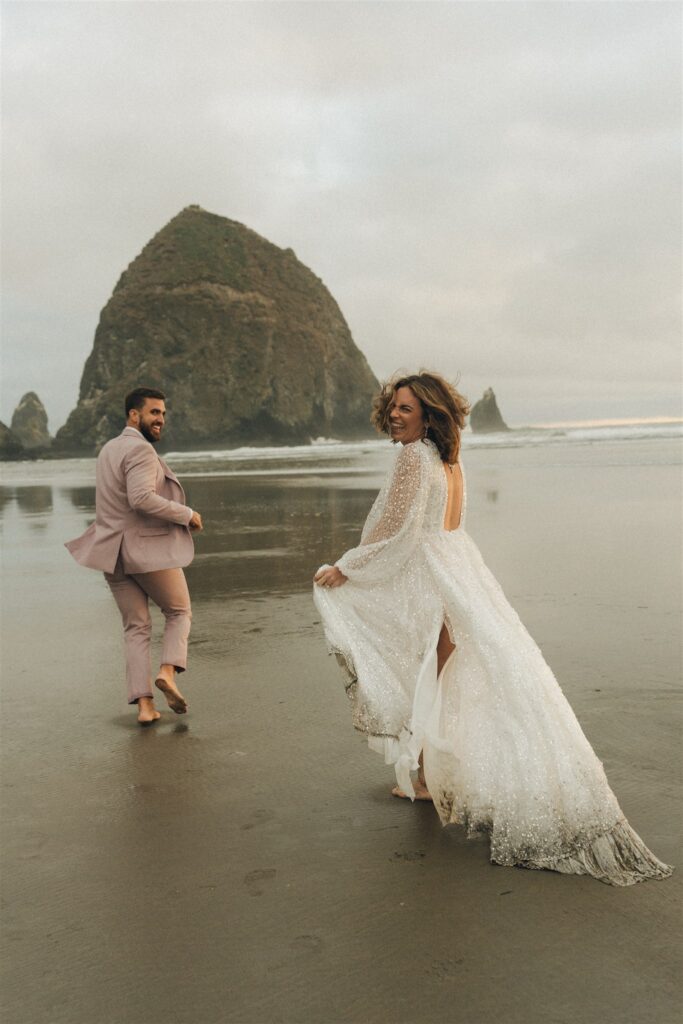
(652, 426)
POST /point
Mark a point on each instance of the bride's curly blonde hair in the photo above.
(444, 409)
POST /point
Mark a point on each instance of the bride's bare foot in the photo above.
(147, 713)
(174, 698)
(421, 792)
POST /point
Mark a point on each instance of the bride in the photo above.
(443, 677)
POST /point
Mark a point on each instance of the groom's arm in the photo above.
(140, 468)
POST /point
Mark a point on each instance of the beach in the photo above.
(246, 863)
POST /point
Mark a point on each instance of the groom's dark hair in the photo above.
(136, 399)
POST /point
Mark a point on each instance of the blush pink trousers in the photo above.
(168, 590)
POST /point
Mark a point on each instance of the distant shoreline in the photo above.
(324, 449)
(600, 429)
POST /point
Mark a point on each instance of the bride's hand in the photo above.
(330, 576)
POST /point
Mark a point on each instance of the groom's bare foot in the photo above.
(174, 697)
(421, 792)
(147, 713)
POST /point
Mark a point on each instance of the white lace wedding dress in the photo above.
(503, 751)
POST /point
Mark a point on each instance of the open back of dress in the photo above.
(455, 495)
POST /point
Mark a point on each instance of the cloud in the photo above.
(486, 188)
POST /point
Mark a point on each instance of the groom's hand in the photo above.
(195, 522)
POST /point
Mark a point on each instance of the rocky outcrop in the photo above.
(485, 417)
(29, 422)
(246, 342)
(10, 445)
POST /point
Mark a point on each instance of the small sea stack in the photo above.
(485, 417)
(29, 422)
(11, 447)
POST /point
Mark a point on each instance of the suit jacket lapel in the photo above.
(168, 472)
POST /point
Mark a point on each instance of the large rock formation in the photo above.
(247, 343)
(10, 445)
(485, 417)
(29, 422)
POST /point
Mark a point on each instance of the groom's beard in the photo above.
(146, 432)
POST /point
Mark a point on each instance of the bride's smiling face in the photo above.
(406, 420)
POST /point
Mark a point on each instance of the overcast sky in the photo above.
(489, 189)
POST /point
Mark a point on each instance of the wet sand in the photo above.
(245, 864)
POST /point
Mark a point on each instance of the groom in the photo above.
(141, 539)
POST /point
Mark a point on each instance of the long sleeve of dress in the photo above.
(393, 527)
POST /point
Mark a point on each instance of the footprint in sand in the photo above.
(255, 879)
(310, 944)
(261, 817)
(443, 969)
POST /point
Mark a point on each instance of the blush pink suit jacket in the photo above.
(140, 512)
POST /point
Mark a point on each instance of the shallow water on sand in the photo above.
(271, 519)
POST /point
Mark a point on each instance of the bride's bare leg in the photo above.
(444, 649)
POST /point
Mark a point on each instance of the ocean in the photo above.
(330, 457)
